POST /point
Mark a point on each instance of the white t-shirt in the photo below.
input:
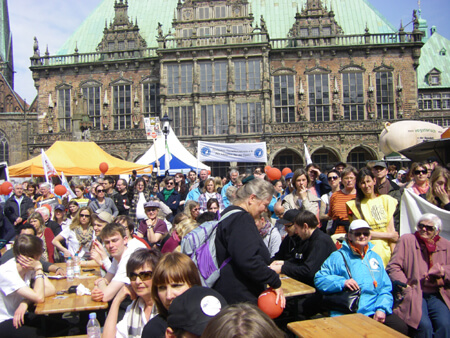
(140, 212)
(135, 244)
(10, 282)
(119, 269)
(72, 242)
(122, 326)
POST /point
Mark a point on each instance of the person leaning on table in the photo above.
(368, 274)
(22, 283)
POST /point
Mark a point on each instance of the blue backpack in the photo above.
(200, 245)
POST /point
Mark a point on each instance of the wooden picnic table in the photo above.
(71, 302)
(293, 287)
(353, 325)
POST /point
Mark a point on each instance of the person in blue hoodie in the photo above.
(368, 274)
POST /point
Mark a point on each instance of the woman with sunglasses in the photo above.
(103, 203)
(209, 191)
(79, 235)
(419, 185)
(152, 229)
(367, 274)
(337, 209)
(377, 210)
(192, 209)
(439, 193)
(169, 196)
(174, 274)
(420, 270)
(140, 268)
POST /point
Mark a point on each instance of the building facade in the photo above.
(286, 73)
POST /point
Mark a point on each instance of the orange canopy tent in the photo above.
(75, 159)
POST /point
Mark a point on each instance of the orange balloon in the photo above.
(286, 171)
(60, 190)
(209, 172)
(6, 188)
(274, 174)
(266, 302)
(267, 168)
(103, 167)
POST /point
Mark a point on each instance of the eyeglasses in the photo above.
(361, 233)
(418, 172)
(143, 275)
(170, 183)
(332, 178)
(196, 209)
(428, 228)
(100, 191)
(85, 215)
(151, 210)
(289, 225)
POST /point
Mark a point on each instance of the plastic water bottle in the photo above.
(69, 269)
(76, 266)
(93, 326)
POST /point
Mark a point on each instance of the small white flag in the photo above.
(49, 169)
(66, 184)
(167, 157)
(307, 156)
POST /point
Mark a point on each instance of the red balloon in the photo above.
(267, 168)
(274, 174)
(286, 171)
(6, 188)
(103, 167)
(209, 172)
(60, 190)
(266, 302)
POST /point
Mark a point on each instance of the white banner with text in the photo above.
(230, 152)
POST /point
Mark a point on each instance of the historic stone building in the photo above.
(327, 74)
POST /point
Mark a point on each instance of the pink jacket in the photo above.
(409, 265)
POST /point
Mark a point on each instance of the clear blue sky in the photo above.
(53, 21)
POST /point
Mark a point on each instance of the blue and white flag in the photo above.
(66, 184)
(230, 152)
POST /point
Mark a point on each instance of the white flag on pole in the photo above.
(49, 169)
(167, 157)
(307, 156)
(66, 184)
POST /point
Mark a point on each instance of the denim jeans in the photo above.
(435, 317)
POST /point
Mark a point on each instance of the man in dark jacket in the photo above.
(290, 243)
(121, 199)
(17, 205)
(310, 254)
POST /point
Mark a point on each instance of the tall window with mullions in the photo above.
(284, 98)
(385, 95)
(353, 96)
(319, 97)
(64, 115)
(122, 106)
(152, 104)
(92, 95)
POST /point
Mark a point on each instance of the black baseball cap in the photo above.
(192, 310)
(289, 216)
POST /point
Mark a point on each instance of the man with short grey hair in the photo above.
(234, 174)
(17, 205)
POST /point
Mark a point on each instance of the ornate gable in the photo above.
(122, 35)
(315, 21)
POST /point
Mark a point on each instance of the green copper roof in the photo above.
(5, 32)
(431, 57)
(351, 15)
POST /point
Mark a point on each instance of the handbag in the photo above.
(346, 301)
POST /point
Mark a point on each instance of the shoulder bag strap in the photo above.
(346, 265)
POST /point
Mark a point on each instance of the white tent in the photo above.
(180, 159)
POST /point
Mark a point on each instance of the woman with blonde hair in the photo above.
(209, 191)
(174, 274)
(45, 234)
(439, 192)
(79, 236)
(420, 184)
(192, 209)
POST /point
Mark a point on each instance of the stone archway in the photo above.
(289, 158)
(359, 156)
(325, 157)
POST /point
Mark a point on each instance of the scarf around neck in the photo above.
(167, 193)
(84, 239)
(428, 244)
(265, 230)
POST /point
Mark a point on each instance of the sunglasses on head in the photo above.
(428, 228)
(361, 233)
(418, 172)
(332, 178)
(143, 276)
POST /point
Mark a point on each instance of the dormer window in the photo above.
(443, 52)
(433, 78)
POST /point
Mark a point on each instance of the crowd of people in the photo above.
(334, 230)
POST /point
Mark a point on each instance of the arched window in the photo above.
(4, 148)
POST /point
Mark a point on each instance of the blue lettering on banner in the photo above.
(206, 151)
(259, 153)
